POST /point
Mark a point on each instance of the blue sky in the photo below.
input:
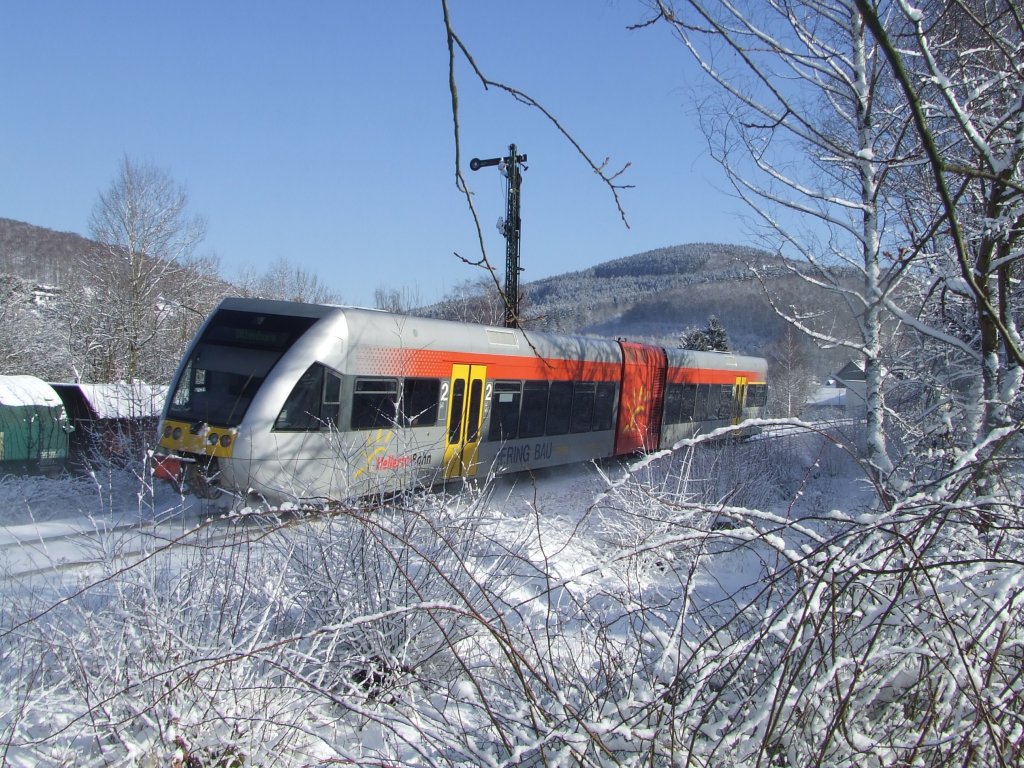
(321, 132)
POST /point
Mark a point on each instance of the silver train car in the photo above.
(308, 404)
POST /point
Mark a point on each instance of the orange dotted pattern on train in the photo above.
(399, 362)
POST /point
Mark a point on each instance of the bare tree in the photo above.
(27, 344)
(143, 289)
(790, 374)
(957, 66)
(286, 281)
(804, 123)
(12, 302)
(905, 127)
(907, 122)
(403, 302)
(473, 301)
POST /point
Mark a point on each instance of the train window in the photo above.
(700, 405)
(688, 403)
(673, 404)
(604, 406)
(726, 401)
(719, 400)
(711, 406)
(455, 411)
(183, 394)
(534, 410)
(583, 406)
(757, 395)
(231, 359)
(374, 404)
(332, 399)
(505, 410)
(420, 402)
(302, 408)
(559, 407)
(313, 402)
(252, 330)
(475, 400)
(332, 389)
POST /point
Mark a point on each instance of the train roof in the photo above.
(276, 307)
(379, 327)
(376, 326)
(691, 358)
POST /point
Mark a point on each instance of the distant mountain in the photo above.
(40, 255)
(657, 295)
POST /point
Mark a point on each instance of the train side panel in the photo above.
(708, 390)
(298, 442)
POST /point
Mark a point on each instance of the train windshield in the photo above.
(230, 362)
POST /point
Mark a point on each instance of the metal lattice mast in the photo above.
(511, 226)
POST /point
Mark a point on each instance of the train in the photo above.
(295, 403)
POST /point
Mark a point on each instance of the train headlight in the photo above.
(177, 433)
(212, 438)
(225, 441)
(167, 430)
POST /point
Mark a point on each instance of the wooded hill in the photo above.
(40, 255)
(657, 295)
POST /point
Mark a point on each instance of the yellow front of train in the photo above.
(221, 374)
(189, 454)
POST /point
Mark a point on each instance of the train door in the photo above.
(465, 419)
(740, 391)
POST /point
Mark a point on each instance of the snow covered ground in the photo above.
(551, 618)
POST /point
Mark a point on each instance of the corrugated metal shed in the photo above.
(33, 425)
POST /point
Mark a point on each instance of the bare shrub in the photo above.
(241, 639)
(664, 623)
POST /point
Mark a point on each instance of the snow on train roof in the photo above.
(26, 390)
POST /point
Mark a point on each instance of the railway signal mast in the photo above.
(510, 226)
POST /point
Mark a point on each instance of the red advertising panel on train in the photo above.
(643, 388)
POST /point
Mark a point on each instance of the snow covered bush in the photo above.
(648, 617)
(876, 639)
(245, 641)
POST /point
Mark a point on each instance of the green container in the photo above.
(33, 426)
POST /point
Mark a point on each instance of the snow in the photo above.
(827, 397)
(26, 390)
(914, 15)
(47, 521)
(613, 608)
